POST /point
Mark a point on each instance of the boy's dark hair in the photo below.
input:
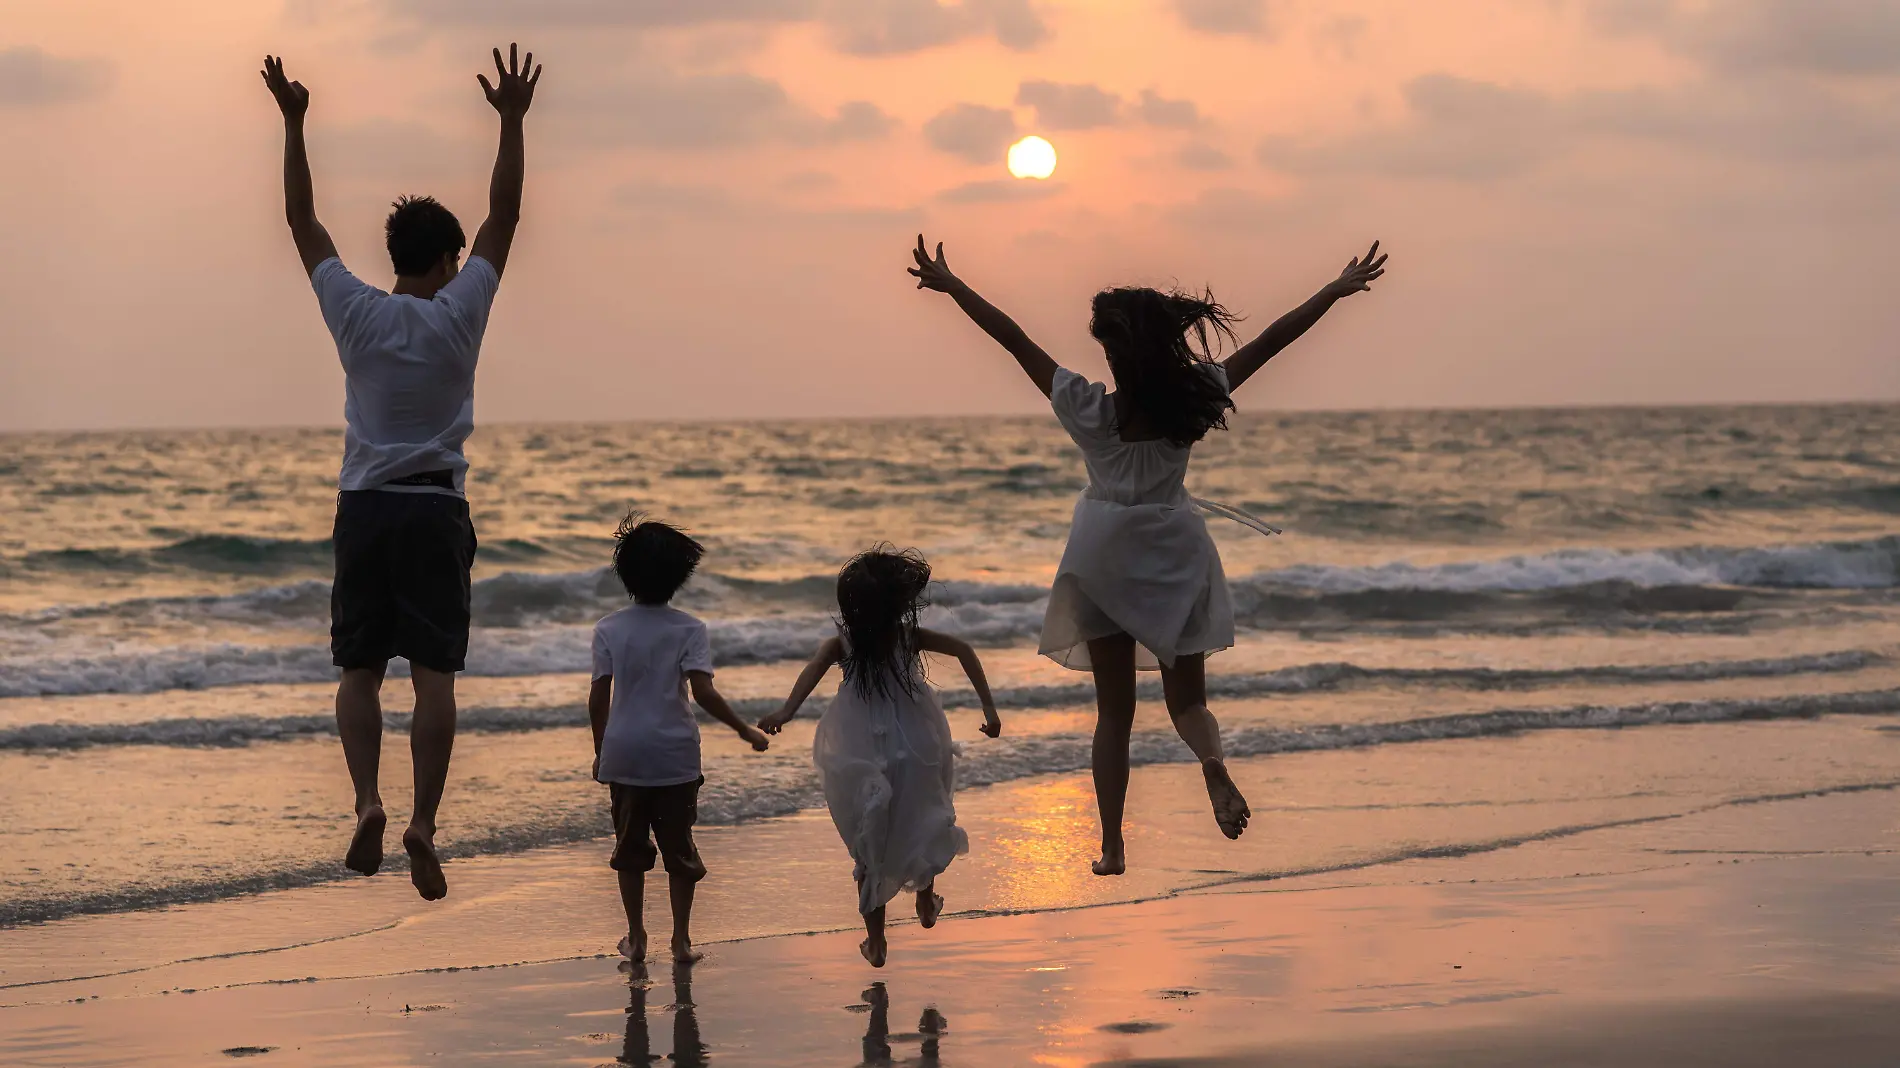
(880, 595)
(653, 560)
(1144, 332)
(419, 232)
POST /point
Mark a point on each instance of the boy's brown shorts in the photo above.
(669, 812)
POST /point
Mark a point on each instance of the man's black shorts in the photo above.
(402, 587)
(670, 812)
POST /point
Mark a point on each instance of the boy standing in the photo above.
(647, 657)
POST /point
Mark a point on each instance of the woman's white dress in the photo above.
(1139, 559)
(889, 773)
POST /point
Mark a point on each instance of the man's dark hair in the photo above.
(420, 231)
(652, 559)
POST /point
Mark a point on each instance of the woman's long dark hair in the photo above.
(1145, 333)
(880, 594)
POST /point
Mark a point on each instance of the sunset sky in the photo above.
(1586, 201)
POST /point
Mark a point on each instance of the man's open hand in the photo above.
(513, 90)
(292, 98)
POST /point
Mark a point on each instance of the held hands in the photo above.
(755, 738)
(1358, 275)
(775, 722)
(932, 273)
(512, 92)
(292, 98)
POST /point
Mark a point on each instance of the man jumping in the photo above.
(404, 543)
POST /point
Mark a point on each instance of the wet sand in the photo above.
(1766, 933)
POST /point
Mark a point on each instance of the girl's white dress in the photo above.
(1139, 559)
(889, 773)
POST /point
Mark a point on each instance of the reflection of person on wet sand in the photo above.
(877, 1033)
(688, 1050)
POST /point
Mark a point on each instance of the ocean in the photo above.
(1446, 577)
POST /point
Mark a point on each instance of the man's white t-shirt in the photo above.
(652, 737)
(409, 373)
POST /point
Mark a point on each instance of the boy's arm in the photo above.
(935, 274)
(1251, 357)
(511, 96)
(808, 679)
(931, 641)
(708, 697)
(300, 201)
(600, 698)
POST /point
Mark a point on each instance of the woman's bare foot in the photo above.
(929, 907)
(1113, 862)
(1230, 809)
(425, 868)
(874, 951)
(633, 947)
(366, 845)
(684, 953)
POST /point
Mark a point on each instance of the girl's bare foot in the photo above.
(873, 950)
(1230, 809)
(425, 868)
(1113, 861)
(684, 953)
(366, 845)
(929, 907)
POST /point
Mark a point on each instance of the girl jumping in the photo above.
(1140, 583)
(883, 747)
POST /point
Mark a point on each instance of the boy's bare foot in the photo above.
(425, 868)
(874, 951)
(1113, 862)
(1230, 809)
(684, 953)
(366, 845)
(929, 907)
(634, 949)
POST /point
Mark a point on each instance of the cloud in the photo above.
(1225, 16)
(860, 27)
(1200, 156)
(659, 201)
(972, 132)
(1828, 37)
(669, 110)
(32, 78)
(387, 150)
(1000, 191)
(1156, 110)
(1459, 129)
(1070, 106)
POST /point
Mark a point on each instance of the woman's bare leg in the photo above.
(929, 906)
(874, 947)
(1185, 687)
(1114, 664)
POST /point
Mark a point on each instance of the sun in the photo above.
(1032, 157)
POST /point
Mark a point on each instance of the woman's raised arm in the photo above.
(935, 274)
(1251, 357)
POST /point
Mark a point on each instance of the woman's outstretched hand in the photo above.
(931, 273)
(992, 725)
(1358, 275)
(772, 723)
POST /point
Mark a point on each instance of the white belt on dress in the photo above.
(1251, 522)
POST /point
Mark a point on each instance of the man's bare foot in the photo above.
(1113, 862)
(874, 951)
(366, 845)
(1230, 809)
(684, 953)
(634, 948)
(425, 868)
(929, 907)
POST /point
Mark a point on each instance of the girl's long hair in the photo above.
(881, 592)
(1145, 334)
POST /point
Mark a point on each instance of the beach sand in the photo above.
(1758, 931)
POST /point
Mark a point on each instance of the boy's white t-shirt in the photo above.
(409, 373)
(652, 737)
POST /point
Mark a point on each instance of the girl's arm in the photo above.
(808, 679)
(1356, 278)
(935, 274)
(931, 641)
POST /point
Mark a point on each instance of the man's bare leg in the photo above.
(431, 740)
(1185, 686)
(679, 891)
(1113, 660)
(359, 723)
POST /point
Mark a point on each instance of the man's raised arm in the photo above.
(511, 94)
(300, 203)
